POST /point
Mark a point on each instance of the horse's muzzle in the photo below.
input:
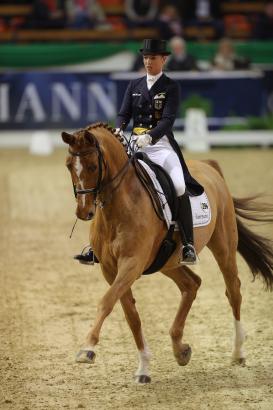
(83, 216)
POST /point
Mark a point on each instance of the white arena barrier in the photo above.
(41, 143)
(196, 130)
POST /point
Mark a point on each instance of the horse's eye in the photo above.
(92, 167)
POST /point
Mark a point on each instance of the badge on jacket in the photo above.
(159, 100)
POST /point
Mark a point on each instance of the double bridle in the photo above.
(97, 188)
(100, 186)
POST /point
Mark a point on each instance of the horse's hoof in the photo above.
(184, 356)
(241, 361)
(85, 356)
(143, 379)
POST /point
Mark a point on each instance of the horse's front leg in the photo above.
(188, 283)
(142, 375)
(128, 271)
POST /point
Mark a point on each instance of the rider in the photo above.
(152, 101)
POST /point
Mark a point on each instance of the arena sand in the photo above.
(48, 302)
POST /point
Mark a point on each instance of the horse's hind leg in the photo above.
(188, 283)
(233, 284)
(225, 255)
(133, 319)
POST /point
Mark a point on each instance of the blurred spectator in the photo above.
(84, 14)
(202, 13)
(199, 10)
(140, 13)
(180, 60)
(13, 20)
(227, 59)
(224, 58)
(169, 23)
(264, 26)
(47, 14)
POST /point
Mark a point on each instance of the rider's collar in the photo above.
(151, 79)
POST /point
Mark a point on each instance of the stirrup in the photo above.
(189, 256)
(87, 258)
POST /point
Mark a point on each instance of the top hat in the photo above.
(154, 47)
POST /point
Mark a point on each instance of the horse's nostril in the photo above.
(90, 215)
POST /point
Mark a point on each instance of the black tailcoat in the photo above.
(156, 110)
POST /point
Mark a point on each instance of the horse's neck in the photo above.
(114, 154)
(123, 199)
(119, 201)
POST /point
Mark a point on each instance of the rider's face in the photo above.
(154, 63)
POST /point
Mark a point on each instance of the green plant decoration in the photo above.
(196, 101)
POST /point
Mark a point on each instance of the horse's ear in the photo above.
(68, 138)
(89, 137)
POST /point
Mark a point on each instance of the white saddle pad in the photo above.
(201, 211)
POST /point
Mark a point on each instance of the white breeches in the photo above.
(164, 155)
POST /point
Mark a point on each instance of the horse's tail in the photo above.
(256, 250)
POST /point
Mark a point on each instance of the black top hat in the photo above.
(155, 47)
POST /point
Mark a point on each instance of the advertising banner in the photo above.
(55, 101)
(45, 100)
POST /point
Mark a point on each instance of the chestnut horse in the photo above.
(126, 234)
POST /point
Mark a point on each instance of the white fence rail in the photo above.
(22, 139)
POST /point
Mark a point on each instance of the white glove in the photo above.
(143, 140)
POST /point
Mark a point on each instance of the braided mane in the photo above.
(107, 127)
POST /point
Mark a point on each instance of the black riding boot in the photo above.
(185, 225)
(87, 258)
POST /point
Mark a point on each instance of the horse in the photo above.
(126, 234)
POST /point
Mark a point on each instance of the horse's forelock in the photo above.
(81, 137)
